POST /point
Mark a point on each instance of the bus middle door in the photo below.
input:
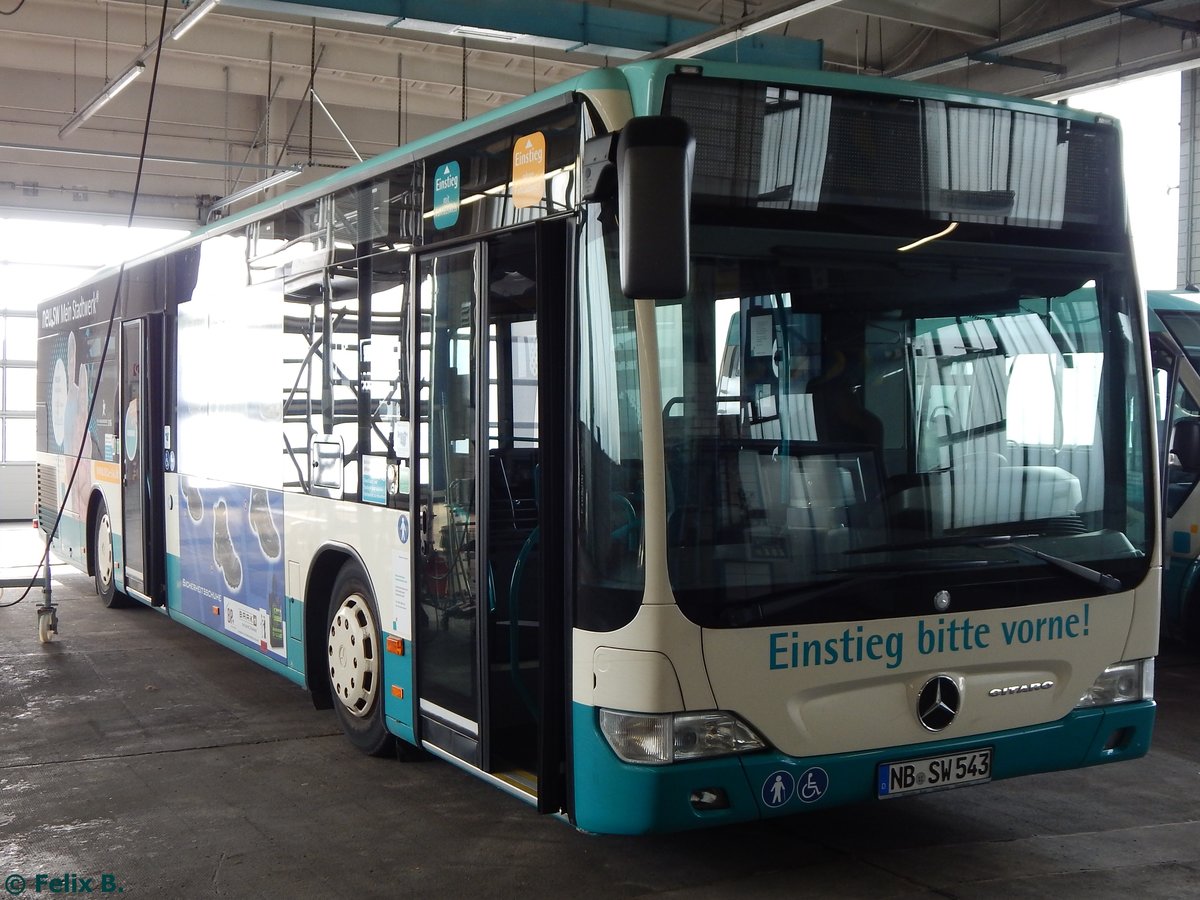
(450, 669)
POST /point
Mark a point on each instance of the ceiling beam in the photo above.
(585, 30)
(1076, 28)
(911, 14)
(567, 27)
(745, 27)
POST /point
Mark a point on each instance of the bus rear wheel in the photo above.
(104, 560)
(354, 663)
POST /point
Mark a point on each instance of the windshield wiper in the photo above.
(764, 607)
(1105, 582)
(949, 540)
(767, 605)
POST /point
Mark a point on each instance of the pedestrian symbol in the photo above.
(778, 788)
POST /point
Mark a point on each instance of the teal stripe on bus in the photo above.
(612, 796)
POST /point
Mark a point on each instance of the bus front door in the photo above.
(139, 459)
(132, 430)
(489, 499)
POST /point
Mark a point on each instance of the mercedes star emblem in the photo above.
(939, 702)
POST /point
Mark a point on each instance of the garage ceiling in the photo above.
(257, 85)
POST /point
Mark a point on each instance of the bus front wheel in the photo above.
(104, 560)
(354, 663)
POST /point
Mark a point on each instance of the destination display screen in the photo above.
(814, 150)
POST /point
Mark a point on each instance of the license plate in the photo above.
(933, 773)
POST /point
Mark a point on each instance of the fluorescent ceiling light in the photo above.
(490, 34)
(270, 181)
(184, 25)
(115, 87)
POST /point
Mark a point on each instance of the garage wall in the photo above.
(1189, 174)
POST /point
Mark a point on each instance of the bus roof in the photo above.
(1181, 300)
(643, 82)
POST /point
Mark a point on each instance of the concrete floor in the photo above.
(136, 753)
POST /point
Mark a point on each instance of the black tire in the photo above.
(354, 663)
(103, 560)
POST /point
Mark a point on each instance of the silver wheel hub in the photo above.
(353, 656)
(104, 550)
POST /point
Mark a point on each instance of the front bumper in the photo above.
(614, 797)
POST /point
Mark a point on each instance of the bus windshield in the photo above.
(827, 419)
(849, 431)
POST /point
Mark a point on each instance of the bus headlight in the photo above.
(1122, 682)
(658, 739)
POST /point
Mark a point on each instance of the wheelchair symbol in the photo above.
(812, 784)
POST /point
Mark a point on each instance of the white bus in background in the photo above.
(1175, 350)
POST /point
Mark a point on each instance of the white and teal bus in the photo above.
(840, 485)
(1175, 351)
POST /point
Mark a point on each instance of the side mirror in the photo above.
(655, 155)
